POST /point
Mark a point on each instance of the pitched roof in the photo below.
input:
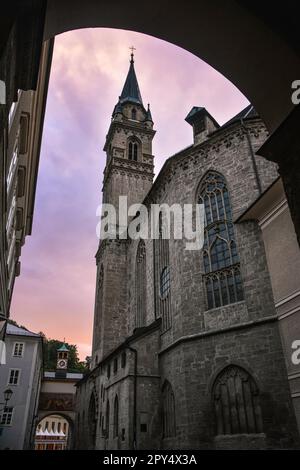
(131, 90)
(63, 348)
(247, 112)
(18, 331)
(197, 112)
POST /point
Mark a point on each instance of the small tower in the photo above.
(202, 122)
(62, 357)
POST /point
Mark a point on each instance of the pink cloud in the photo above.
(55, 292)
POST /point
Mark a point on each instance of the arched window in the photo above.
(168, 410)
(116, 417)
(133, 150)
(165, 282)
(133, 113)
(140, 285)
(162, 276)
(107, 420)
(92, 420)
(98, 309)
(222, 275)
(236, 402)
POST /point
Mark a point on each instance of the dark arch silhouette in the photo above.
(92, 421)
(168, 410)
(268, 84)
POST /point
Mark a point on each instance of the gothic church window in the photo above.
(107, 419)
(168, 411)
(98, 307)
(133, 113)
(140, 285)
(236, 402)
(165, 282)
(162, 280)
(222, 276)
(116, 416)
(92, 419)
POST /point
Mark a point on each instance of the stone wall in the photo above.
(202, 342)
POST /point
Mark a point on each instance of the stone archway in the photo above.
(226, 35)
(53, 431)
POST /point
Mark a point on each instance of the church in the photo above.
(187, 350)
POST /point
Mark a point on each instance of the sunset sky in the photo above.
(55, 292)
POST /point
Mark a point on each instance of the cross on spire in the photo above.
(132, 48)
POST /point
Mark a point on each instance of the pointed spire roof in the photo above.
(131, 91)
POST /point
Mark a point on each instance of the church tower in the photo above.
(128, 146)
(128, 172)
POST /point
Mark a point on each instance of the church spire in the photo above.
(131, 91)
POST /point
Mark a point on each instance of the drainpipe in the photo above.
(252, 155)
(134, 440)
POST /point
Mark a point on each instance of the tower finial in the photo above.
(132, 54)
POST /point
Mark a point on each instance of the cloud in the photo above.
(55, 292)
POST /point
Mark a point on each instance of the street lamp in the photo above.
(7, 396)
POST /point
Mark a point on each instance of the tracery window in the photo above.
(236, 402)
(165, 282)
(133, 113)
(168, 410)
(140, 285)
(222, 275)
(162, 274)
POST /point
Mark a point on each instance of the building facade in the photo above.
(55, 419)
(187, 350)
(271, 212)
(22, 373)
(20, 150)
